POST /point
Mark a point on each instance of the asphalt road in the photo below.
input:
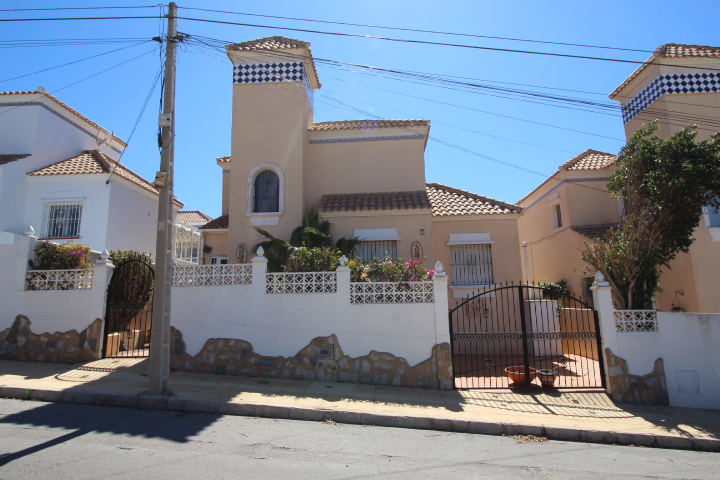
(53, 440)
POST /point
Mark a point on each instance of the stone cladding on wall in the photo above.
(19, 343)
(322, 359)
(650, 389)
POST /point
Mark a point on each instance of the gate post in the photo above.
(102, 273)
(442, 327)
(602, 297)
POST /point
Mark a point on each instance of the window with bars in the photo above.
(369, 250)
(471, 265)
(267, 192)
(62, 220)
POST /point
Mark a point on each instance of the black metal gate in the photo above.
(128, 316)
(523, 336)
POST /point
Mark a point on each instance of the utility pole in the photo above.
(159, 368)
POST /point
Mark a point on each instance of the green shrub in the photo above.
(53, 256)
(554, 291)
(317, 259)
(389, 270)
(118, 257)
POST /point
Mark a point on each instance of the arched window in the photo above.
(267, 192)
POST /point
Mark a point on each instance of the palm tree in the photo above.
(314, 232)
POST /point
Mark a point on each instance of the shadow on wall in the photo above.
(322, 359)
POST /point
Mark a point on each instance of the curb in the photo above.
(203, 405)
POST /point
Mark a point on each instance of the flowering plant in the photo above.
(53, 256)
(389, 270)
(317, 259)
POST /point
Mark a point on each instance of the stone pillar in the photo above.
(606, 314)
(343, 281)
(259, 270)
(442, 325)
(27, 253)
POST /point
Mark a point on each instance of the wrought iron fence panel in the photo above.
(636, 321)
(77, 279)
(199, 275)
(313, 282)
(392, 292)
(524, 336)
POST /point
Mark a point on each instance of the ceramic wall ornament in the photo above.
(241, 255)
(416, 251)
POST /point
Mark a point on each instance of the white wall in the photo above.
(132, 222)
(51, 310)
(282, 324)
(95, 211)
(688, 343)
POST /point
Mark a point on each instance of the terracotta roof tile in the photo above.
(448, 201)
(69, 109)
(193, 216)
(359, 202)
(594, 231)
(94, 162)
(590, 160)
(270, 43)
(220, 222)
(11, 157)
(671, 50)
(224, 159)
(366, 124)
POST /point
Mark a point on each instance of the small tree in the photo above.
(664, 184)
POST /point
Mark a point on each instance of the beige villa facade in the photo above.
(367, 177)
(678, 85)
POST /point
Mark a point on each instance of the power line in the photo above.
(71, 8)
(419, 31)
(73, 62)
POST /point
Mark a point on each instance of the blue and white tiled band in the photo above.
(677, 83)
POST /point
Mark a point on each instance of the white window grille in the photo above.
(636, 321)
(392, 292)
(194, 276)
(315, 282)
(381, 249)
(471, 264)
(77, 279)
(62, 220)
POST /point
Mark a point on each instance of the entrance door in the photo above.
(520, 336)
(128, 315)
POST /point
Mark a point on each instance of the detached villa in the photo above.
(365, 176)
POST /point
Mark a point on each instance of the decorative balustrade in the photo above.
(392, 292)
(636, 321)
(199, 275)
(315, 282)
(77, 279)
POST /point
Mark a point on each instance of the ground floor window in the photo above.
(471, 264)
(187, 243)
(218, 260)
(713, 217)
(62, 220)
(369, 250)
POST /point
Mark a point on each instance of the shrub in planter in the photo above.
(389, 270)
(53, 256)
(317, 259)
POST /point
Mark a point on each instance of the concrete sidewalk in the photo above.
(579, 415)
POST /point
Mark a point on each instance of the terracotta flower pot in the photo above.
(516, 374)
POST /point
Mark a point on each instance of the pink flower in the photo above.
(407, 263)
(431, 272)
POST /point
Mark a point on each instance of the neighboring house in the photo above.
(678, 85)
(188, 238)
(59, 173)
(365, 176)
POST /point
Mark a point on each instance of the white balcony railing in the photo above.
(315, 282)
(199, 275)
(636, 321)
(77, 279)
(392, 292)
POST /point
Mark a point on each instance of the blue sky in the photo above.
(483, 123)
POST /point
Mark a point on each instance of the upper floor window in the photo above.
(267, 192)
(557, 216)
(62, 220)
